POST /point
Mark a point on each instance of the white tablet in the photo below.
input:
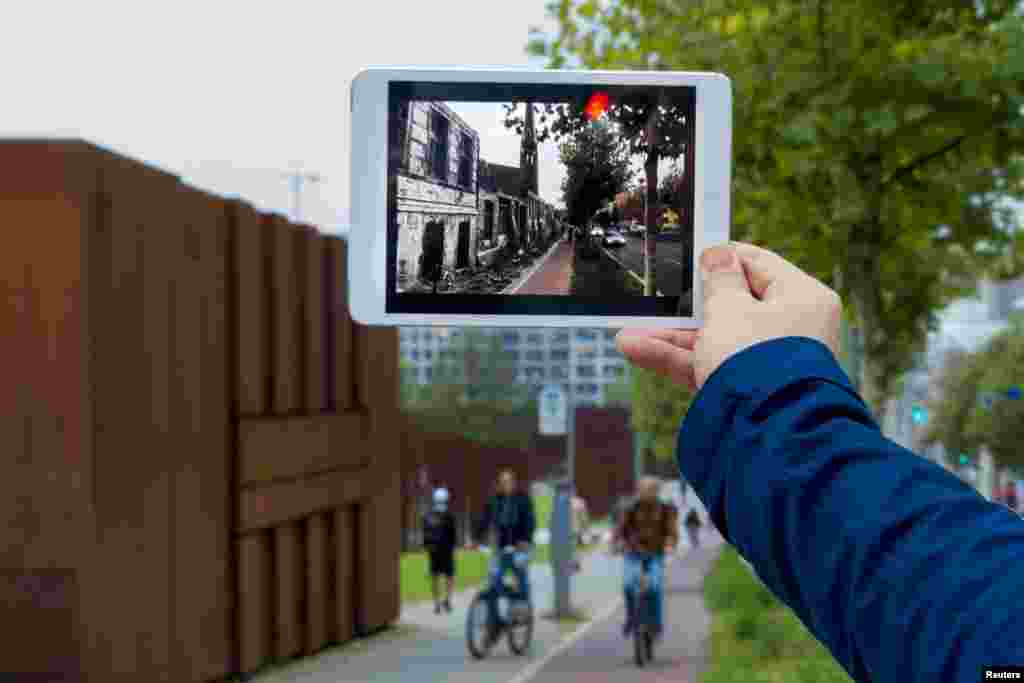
(513, 197)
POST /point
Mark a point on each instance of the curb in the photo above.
(620, 264)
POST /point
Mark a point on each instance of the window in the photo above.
(415, 355)
(439, 145)
(466, 162)
(559, 372)
(586, 335)
(560, 338)
(587, 353)
(613, 371)
(535, 356)
(612, 352)
(428, 373)
(428, 354)
(535, 338)
(513, 355)
(586, 371)
(510, 338)
(534, 373)
(560, 356)
(609, 335)
(487, 234)
(586, 389)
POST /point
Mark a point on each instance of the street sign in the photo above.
(553, 411)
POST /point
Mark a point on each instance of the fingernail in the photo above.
(716, 258)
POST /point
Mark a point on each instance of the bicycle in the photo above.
(517, 625)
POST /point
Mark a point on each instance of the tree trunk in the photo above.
(651, 170)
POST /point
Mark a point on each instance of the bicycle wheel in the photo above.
(520, 630)
(477, 628)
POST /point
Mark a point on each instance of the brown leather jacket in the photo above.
(648, 527)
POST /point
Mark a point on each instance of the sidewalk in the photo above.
(551, 276)
(429, 648)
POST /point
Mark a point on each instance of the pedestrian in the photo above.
(693, 525)
(903, 571)
(439, 540)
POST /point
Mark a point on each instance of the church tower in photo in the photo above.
(528, 154)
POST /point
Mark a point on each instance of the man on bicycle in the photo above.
(646, 530)
(509, 514)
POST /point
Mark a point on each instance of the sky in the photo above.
(230, 95)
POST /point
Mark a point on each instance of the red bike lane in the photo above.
(553, 275)
(602, 654)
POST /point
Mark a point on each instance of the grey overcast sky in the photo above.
(231, 94)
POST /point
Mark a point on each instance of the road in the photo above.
(669, 265)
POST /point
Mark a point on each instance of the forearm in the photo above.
(897, 566)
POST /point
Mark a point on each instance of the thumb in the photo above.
(722, 272)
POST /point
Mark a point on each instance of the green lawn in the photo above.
(754, 637)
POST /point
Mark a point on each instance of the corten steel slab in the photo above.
(255, 608)
(313, 445)
(202, 583)
(288, 565)
(269, 505)
(343, 546)
(251, 310)
(315, 323)
(318, 608)
(341, 393)
(286, 319)
(44, 605)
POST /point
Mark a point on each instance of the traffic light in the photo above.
(919, 415)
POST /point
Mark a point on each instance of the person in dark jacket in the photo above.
(901, 569)
(509, 516)
(693, 525)
(439, 540)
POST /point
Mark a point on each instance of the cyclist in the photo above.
(646, 530)
(509, 514)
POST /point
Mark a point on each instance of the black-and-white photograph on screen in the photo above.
(587, 196)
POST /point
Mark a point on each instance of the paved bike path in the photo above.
(603, 654)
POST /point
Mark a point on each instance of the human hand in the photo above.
(750, 295)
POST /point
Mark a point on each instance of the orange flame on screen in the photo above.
(597, 105)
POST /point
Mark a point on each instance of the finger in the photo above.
(684, 339)
(660, 356)
(766, 271)
(722, 273)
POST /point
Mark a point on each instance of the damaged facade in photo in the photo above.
(436, 191)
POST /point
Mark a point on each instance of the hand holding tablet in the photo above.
(448, 229)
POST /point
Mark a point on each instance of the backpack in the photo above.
(433, 529)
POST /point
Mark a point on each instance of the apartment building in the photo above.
(583, 361)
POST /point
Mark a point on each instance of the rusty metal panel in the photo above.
(251, 310)
(380, 531)
(315, 314)
(200, 541)
(270, 505)
(343, 539)
(286, 319)
(40, 611)
(312, 444)
(341, 394)
(288, 566)
(317, 583)
(255, 613)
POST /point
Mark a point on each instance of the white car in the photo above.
(637, 228)
(597, 232)
(614, 239)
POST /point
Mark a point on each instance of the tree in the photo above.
(620, 392)
(874, 140)
(597, 169)
(659, 406)
(473, 392)
(654, 126)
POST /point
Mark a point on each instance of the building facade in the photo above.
(436, 191)
(583, 361)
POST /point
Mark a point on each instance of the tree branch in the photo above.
(922, 160)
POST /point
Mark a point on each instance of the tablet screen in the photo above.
(535, 199)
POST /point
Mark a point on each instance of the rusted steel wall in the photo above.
(199, 476)
(604, 465)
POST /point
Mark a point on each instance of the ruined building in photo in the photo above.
(436, 191)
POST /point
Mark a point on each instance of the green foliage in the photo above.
(754, 637)
(659, 406)
(961, 422)
(620, 392)
(473, 392)
(873, 140)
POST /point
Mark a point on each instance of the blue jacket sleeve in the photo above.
(903, 571)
